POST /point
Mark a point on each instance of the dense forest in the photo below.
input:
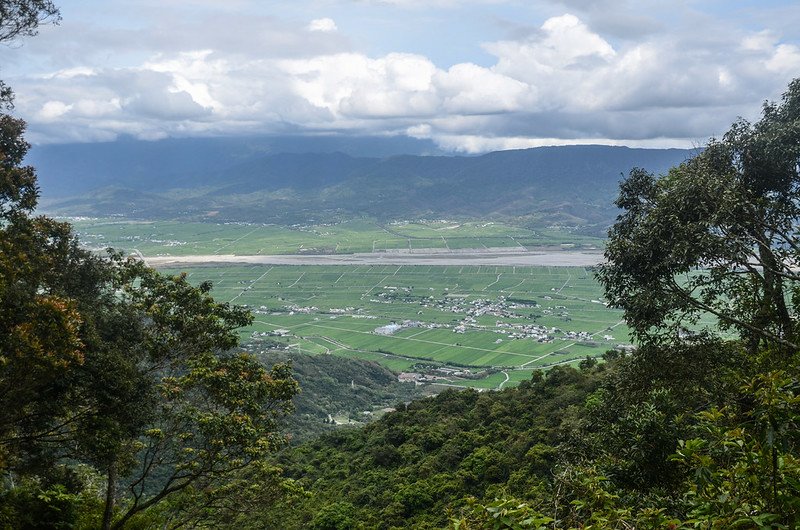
(125, 403)
(355, 390)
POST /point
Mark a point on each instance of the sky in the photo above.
(470, 75)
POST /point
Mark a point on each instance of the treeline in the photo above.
(417, 467)
(570, 446)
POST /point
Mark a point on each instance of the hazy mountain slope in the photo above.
(573, 185)
(66, 169)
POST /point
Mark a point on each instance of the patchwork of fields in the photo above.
(467, 324)
(174, 238)
(501, 322)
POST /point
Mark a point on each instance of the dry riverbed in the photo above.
(490, 256)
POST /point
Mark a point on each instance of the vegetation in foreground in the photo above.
(111, 372)
(120, 389)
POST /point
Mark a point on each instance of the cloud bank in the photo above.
(558, 82)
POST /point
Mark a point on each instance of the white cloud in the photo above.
(165, 105)
(760, 41)
(53, 110)
(93, 109)
(470, 89)
(322, 24)
(422, 131)
(68, 73)
(189, 71)
(563, 43)
(560, 82)
(356, 86)
(785, 59)
(428, 4)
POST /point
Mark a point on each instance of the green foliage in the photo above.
(106, 363)
(132, 372)
(40, 324)
(716, 237)
(407, 468)
(745, 469)
(500, 514)
(235, 502)
(337, 385)
(67, 498)
(336, 516)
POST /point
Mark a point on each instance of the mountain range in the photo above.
(247, 180)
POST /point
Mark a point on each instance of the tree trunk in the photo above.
(774, 295)
(111, 494)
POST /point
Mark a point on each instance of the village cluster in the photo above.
(501, 308)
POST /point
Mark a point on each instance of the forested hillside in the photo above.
(418, 466)
(571, 446)
(337, 392)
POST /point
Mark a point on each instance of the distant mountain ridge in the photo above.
(65, 169)
(570, 185)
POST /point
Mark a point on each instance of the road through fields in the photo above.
(491, 256)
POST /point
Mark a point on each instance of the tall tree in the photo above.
(106, 362)
(717, 236)
(178, 409)
(40, 338)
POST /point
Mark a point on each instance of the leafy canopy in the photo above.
(717, 236)
(109, 366)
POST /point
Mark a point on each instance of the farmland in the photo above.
(176, 238)
(457, 322)
(455, 325)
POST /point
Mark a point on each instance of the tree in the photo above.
(21, 18)
(105, 362)
(718, 236)
(40, 337)
(174, 406)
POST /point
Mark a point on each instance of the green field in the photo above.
(175, 238)
(498, 323)
(461, 316)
